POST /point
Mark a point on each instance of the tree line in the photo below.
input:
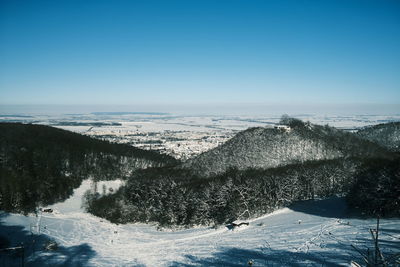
(170, 196)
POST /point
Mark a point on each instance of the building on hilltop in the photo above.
(283, 128)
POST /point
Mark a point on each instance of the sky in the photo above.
(196, 52)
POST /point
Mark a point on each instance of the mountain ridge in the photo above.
(273, 147)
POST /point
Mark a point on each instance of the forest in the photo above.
(384, 134)
(177, 197)
(41, 165)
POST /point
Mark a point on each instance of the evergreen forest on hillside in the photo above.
(41, 165)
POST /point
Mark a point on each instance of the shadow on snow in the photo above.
(332, 255)
(235, 257)
(34, 253)
(333, 207)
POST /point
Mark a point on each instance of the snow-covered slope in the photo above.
(386, 134)
(314, 233)
(272, 147)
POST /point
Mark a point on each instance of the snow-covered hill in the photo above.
(285, 144)
(311, 233)
(385, 134)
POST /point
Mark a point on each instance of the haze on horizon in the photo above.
(200, 53)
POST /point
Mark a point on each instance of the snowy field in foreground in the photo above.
(312, 233)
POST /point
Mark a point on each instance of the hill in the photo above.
(256, 172)
(41, 164)
(385, 134)
(295, 142)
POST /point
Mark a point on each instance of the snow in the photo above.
(74, 203)
(324, 236)
(310, 233)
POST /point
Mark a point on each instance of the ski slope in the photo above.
(312, 233)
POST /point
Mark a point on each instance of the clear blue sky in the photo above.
(169, 52)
